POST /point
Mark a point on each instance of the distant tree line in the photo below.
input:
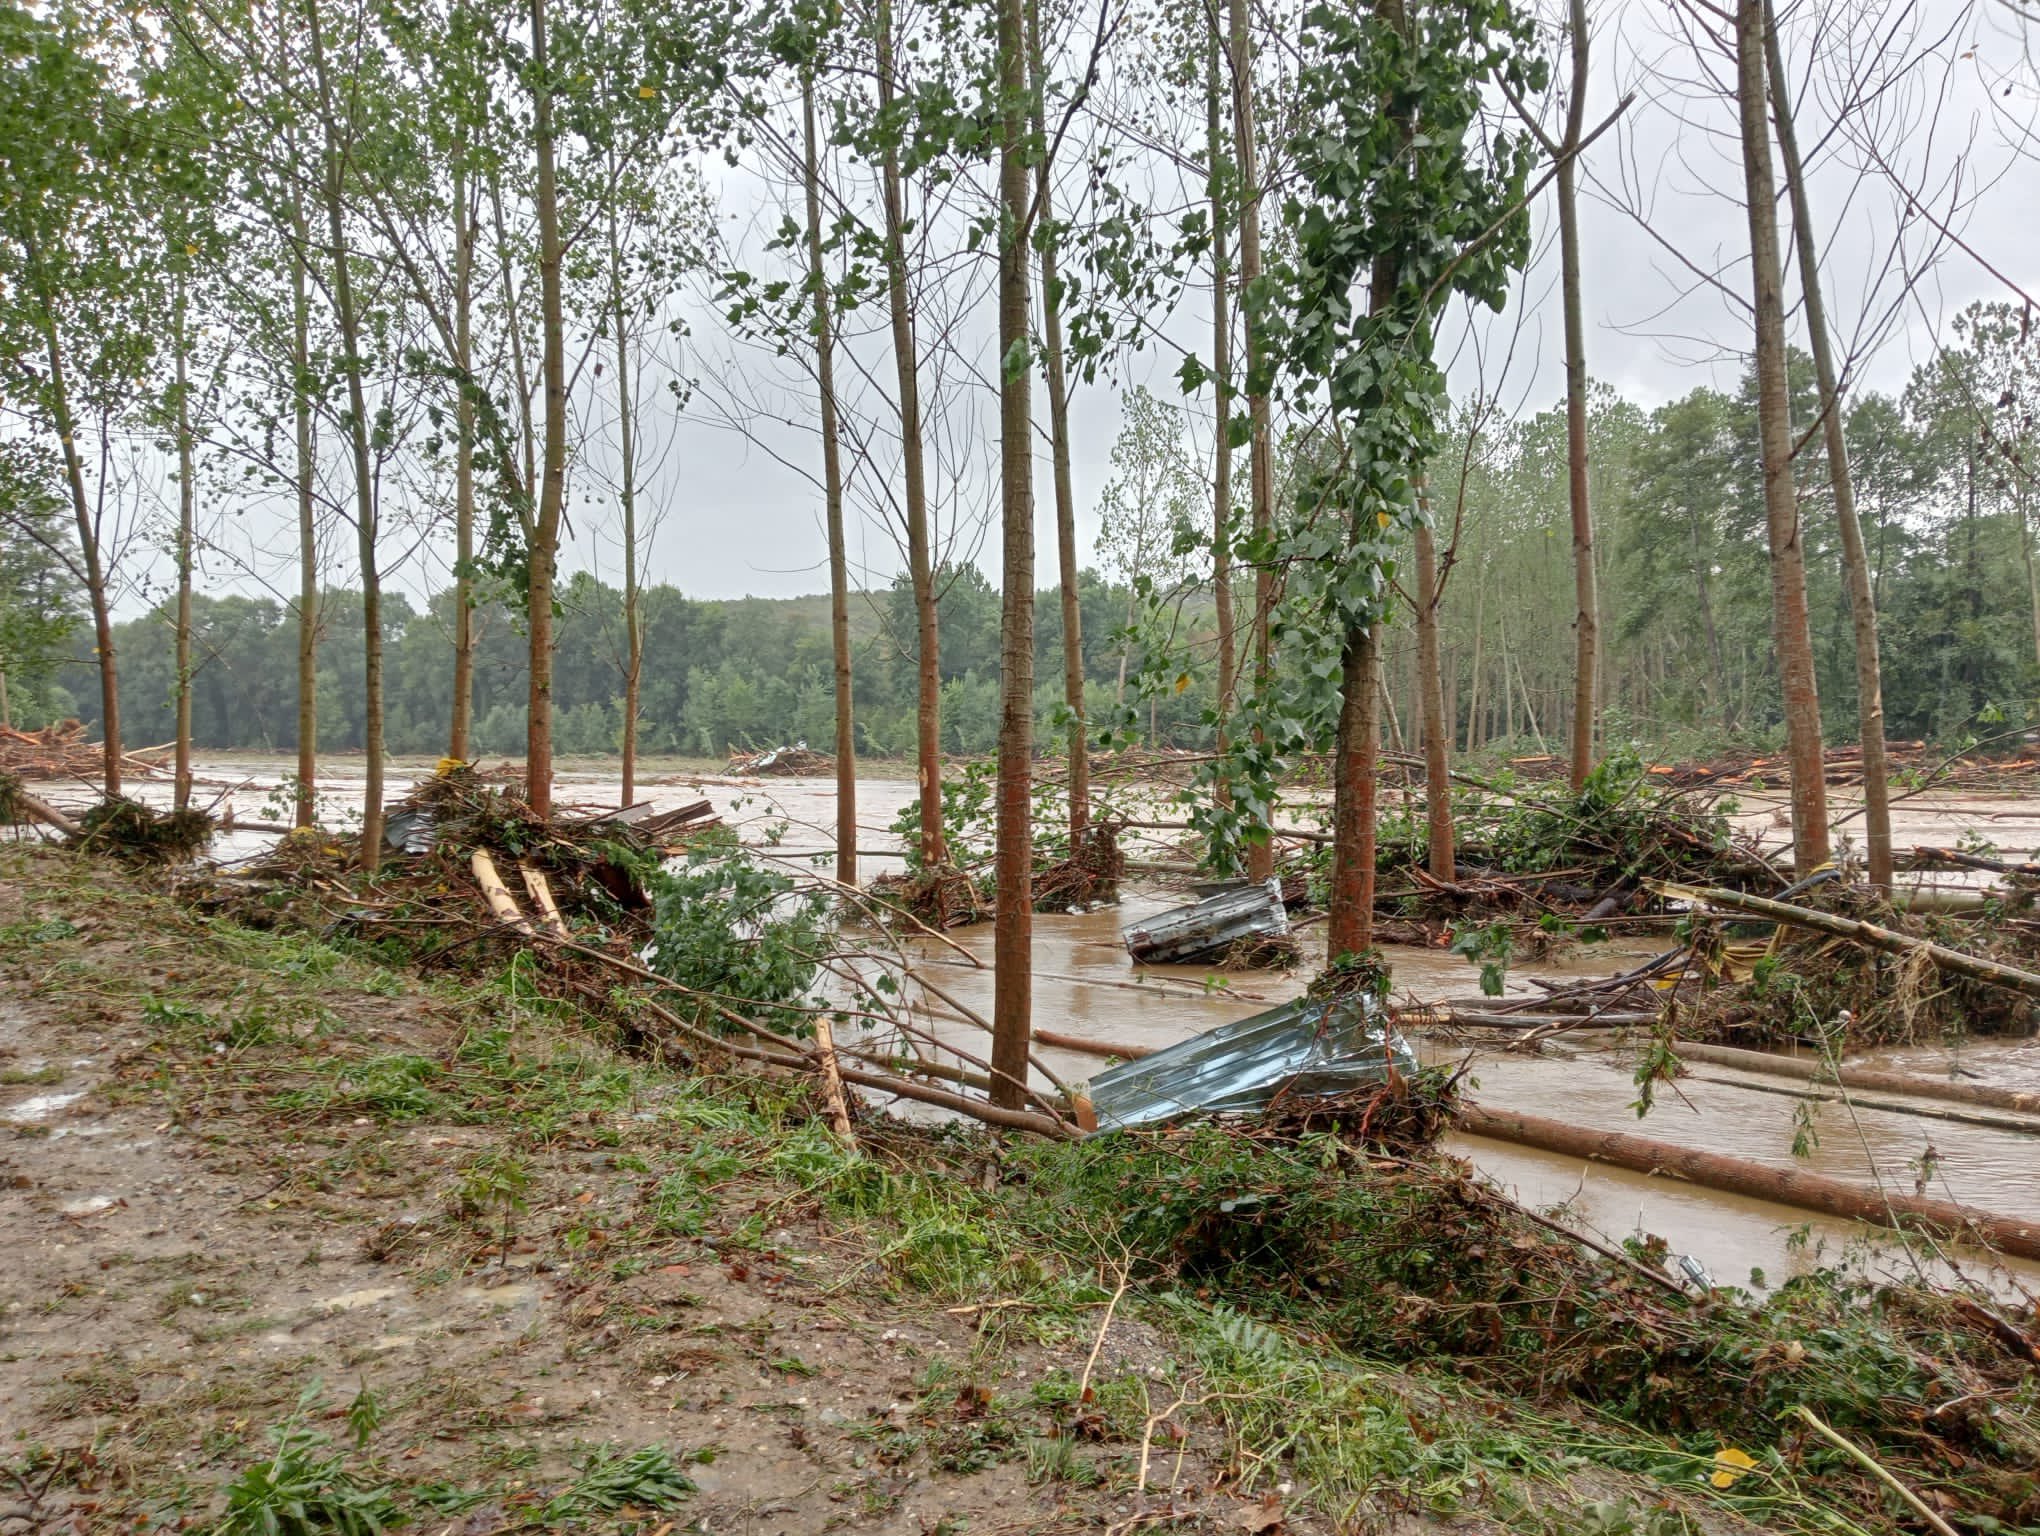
(718, 675)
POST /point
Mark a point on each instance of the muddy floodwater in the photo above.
(1085, 985)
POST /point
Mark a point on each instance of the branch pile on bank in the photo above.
(61, 751)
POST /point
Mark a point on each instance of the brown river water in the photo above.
(1086, 985)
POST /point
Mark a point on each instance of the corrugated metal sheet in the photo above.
(1207, 929)
(1309, 1048)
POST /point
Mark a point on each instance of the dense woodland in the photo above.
(423, 287)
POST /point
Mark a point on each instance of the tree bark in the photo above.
(458, 745)
(365, 511)
(1437, 725)
(920, 559)
(545, 533)
(1221, 370)
(1774, 424)
(305, 809)
(633, 643)
(1013, 918)
(89, 552)
(1260, 450)
(1855, 559)
(1587, 603)
(1350, 925)
(1056, 377)
(187, 493)
(832, 491)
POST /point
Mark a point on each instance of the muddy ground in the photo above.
(242, 1172)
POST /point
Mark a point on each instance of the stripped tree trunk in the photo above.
(1437, 724)
(461, 725)
(1586, 598)
(1013, 919)
(545, 532)
(1079, 788)
(1789, 618)
(304, 468)
(1260, 450)
(187, 494)
(920, 558)
(1855, 559)
(832, 491)
(365, 511)
(1221, 368)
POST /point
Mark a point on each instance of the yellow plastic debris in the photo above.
(1730, 1466)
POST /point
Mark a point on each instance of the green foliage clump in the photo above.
(305, 1487)
(736, 933)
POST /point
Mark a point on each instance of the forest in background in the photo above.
(1690, 664)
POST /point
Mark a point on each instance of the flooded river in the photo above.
(1085, 985)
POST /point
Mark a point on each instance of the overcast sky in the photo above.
(1954, 90)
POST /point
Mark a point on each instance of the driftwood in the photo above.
(36, 809)
(1867, 1078)
(497, 894)
(1739, 1176)
(1871, 934)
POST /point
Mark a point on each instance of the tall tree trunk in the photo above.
(1013, 915)
(545, 532)
(1221, 369)
(633, 640)
(1079, 788)
(832, 491)
(1260, 450)
(1437, 724)
(2032, 568)
(305, 466)
(1774, 424)
(187, 494)
(458, 745)
(1855, 559)
(365, 512)
(1476, 701)
(920, 557)
(89, 553)
(1350, 924)
(1586, 600)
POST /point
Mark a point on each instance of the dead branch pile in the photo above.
(795, 762)
(1089, 877)
(141, 834)
(61, 751)
(941, 897)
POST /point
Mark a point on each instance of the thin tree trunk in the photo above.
(2032, 569)
(1260, 453)
(1774, 424)
(1587, 603)
(1013, 918)
(832, 490)
(458, 745)
(1475, 700)
(1437, 724)
(1221, 368)
(633, 644)
(364, 486)
(187, 494)
(89, 553)
(305, 467)
(1079, 787)
(920, 559)
(1855, 560)
(545, 533)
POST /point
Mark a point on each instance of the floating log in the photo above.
(1739, 1176)
(1208, 929)
(36, 809)
(1870, 934)
(1868, 1078)
(1119, 1048)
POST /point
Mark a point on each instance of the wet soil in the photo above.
(204, 1214)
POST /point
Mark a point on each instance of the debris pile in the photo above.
(1089, 877)
(141, 834)
(795, 762)
(941, 897)
(61, 751)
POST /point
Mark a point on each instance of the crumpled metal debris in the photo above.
(1309, 1048)
(1211, 927)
